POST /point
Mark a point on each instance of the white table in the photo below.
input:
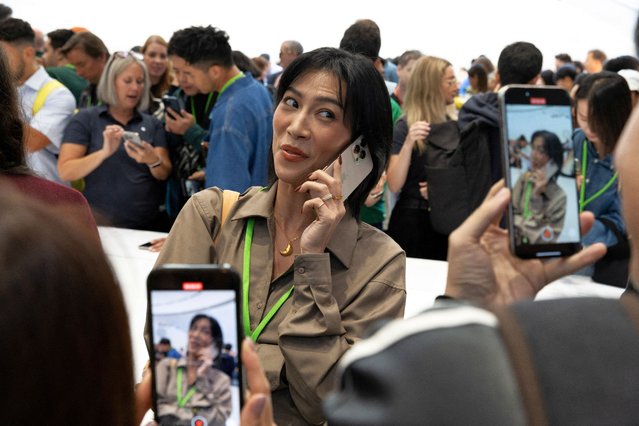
(425, 280)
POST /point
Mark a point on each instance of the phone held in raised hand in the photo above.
(357, 164)
(133, 137)
(173, 102)
(194, 313)
(543, 216)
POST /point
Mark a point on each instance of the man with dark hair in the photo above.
(88, 54)
(562, 59)
(5, 12)
(47, 105)
(565, 77)
(624, 62)
(57, 64)
(519, 63)
(594, 61)
(241, 130)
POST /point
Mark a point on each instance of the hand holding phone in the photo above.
(196, 309)
(173, 102)
(357, 164)
(134, 138)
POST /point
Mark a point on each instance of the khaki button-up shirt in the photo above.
(337, 296)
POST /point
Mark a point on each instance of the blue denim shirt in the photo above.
(608, 204)
(240, 136)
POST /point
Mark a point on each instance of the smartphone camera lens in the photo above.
(362, 154)
(363, 143)
(356, 149)
(527, 94)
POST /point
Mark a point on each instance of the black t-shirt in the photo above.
(417, 168)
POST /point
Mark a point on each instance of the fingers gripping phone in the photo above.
(133, 137)
(194, 312)
(543, 216)
(357, 164)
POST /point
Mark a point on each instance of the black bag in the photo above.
(612, 269)
(188, 160)
(457, 172)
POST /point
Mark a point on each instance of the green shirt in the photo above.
(67, 76)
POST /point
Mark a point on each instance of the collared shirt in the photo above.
(338, 294)
(51, 121)
(120, 189)
(211, 400)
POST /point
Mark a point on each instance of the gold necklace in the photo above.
(288, 250)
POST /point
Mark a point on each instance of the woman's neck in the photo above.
(288, 208)
(123, 115)
(155, 79)
(600, 148)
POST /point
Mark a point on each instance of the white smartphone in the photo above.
(357, 164)
(133, 137)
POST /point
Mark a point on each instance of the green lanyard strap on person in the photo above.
(246, 278)
(583, 202)
(182, 399)
(206, 108)
(527, 195)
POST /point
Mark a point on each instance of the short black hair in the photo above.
(14, 30)
(362, 37)
(598, 54)
(625, 62)
(202, 46)
(59, 37)
(553, 148)
(5, 12)
(245, 64)
(548, 77)
(609, 105)
(563, 57)
(566, 71)
(519, 63)
(165, 341)
(365, 102)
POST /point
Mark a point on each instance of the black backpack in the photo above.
(458, 172)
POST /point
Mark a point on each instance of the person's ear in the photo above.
(379, 66)
(497, 78)
(28, 53)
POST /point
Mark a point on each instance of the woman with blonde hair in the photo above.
(156, 58)
(431, 88)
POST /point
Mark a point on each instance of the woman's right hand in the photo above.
(112, 136)
(418, 131)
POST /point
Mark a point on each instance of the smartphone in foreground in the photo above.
(538, 160)
(133, 137)
(357, 164)
(194, 312)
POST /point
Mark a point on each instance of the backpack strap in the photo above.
(43, 94)
(523, 366)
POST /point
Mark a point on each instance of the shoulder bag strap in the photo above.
(523, 366)
(228, 200)
(43, 94)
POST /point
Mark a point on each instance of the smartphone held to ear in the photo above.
(536, 133)
(357, 164)
(194, 312)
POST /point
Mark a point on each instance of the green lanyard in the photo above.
(583, 202)
(527, 195)
(246, 278)
(206, 108)
(228, 83)
(182, 399)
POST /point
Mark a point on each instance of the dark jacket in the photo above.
(484, 109)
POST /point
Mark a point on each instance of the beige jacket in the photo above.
(338, 294)
(212, 399)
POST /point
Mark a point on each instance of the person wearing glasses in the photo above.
(122, 178)
(431, 88)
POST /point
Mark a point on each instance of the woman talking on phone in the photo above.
(314, 278)
(122, 179)
(194, 384)
(539, 203)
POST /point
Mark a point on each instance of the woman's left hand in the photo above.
(327, 203)
(205, 356)
(144, 154)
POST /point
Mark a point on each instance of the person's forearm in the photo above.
(35, 140)
(77, 168)
(398, 166)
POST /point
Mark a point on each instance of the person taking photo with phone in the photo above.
(122, 180)
(310, 288)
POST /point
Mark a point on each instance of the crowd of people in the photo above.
(157, 138)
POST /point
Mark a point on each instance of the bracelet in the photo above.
(154, 165)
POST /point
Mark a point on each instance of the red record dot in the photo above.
(199, 423)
